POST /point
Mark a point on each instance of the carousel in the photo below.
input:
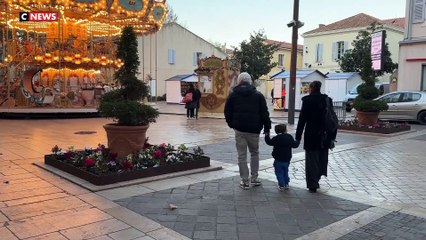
(67, 61)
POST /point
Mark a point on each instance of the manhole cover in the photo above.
(85, 132)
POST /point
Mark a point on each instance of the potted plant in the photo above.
(359, 60)
(132, 117)
(367, 108)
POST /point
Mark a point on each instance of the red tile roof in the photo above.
(358, 21)
(283, 45)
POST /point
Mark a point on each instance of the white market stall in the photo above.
(303, 79)
(176, 86)
(337, 85)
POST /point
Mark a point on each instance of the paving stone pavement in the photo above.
(392, 226)
(385, 175)
(220, 209)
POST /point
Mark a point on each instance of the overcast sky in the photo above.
(232, 21)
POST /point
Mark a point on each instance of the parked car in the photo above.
(352, 94)
(404, 105)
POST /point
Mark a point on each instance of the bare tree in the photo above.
(171, 15)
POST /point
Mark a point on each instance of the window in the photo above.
(339, 49)
(196, 58)
(280, 60)
(391, 98)
(318, 52)
(171, 56)
(410, 97)
(419, 11)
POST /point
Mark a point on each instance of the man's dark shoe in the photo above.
(312, 190)
(244, 185)
(255, 182)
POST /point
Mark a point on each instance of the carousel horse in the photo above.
(28, 90)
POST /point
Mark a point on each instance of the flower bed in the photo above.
(101, 167)
(380, 127)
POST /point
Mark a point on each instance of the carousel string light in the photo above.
(82, 39)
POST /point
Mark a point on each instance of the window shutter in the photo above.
(171, 56)
(346, 46)
(419, 11)
(194, 59)
(321, 48)
(334, 52)
(316, 52)
(174, 56)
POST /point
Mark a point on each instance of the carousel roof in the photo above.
(100, 17)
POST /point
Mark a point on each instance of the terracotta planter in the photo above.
(367, 118)
(125, 139)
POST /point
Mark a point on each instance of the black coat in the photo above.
(246, 110)
(283, 143)
(310, 120)
(197, 97)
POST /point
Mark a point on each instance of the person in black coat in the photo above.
(283, 143)
(247, 113)
(190, 106)
(316, 148)
(197, 98)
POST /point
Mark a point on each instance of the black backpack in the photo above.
(330, 122)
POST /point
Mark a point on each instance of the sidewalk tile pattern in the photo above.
(393, 171)
(392, 226)
(219, 209)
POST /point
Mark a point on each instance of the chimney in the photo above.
(321, 25)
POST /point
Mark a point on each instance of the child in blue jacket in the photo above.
(282, 143)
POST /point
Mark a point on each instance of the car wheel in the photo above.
(422, 117)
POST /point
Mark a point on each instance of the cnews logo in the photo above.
(38, 16)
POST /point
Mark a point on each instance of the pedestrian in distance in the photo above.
(247, 113)
(190, 102)
(282, 154)
(316, 147)
(197, 98)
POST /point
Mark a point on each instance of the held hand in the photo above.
(297, 142)
(332, 144)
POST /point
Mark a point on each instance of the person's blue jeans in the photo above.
(281, 172)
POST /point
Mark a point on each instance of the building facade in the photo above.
(174, 50)
(283, 59)
(412, 51)
(325, 45)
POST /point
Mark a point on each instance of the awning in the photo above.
(299, 74)
(184, 78)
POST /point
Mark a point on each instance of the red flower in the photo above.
(157, 153)
(89, 162)
(126, 165)
(68, 155)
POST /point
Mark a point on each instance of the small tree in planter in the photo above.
(124, 105)
(358, 59)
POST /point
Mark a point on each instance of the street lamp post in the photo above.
(296, 24)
